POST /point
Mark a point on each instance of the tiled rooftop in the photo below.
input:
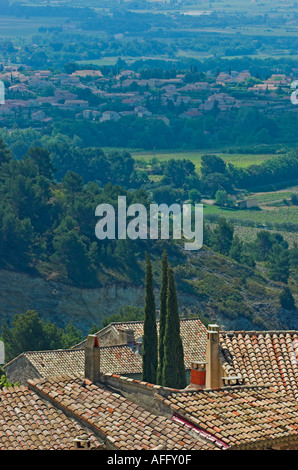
(120, 360)
(259, 357)
(51, 413)
(57, 362)
(28, 422)
(117, 359)
(128, 425)
(268, 357)
(242, 416)
(192, 331)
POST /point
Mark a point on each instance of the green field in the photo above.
(278, 215)
(21, 27)
(248, 234)
(271, 198)
(239, 160)
(253, 7)
(269, 212)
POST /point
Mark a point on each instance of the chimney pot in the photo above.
(82, 442)
(198, 375)
(92, 359)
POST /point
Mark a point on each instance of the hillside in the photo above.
(52, 261)
(209, 285)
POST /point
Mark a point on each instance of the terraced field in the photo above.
(272, 212)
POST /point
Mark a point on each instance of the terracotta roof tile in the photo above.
(264, 358)
(120, 359)
(193, 334)
(117, 417)
(255, 413)
(29, 422)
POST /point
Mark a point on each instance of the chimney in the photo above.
(198, 375)
(214, 368)
(125, 336)
(92, 359)
(82, 442)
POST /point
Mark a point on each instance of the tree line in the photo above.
(244, 126)
(29, 332)
(47, 225)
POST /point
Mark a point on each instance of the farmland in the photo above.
(274, 211)
(25, 27)
(248, 234)
(239, 160)
(258, 217)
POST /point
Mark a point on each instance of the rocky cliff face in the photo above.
(61, 303)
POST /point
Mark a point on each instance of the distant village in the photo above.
(34, 94)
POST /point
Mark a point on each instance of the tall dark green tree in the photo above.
(150, 351)
(286, 299)
(42, 159)
(162, 314)
(279, 263)
(173, 374)
(5, 154)
(222, 236)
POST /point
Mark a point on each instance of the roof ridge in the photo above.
(224, 388)
(51, 351)
(261, 332)
(114, 346)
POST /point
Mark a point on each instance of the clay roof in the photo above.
(27, 422)
(57, 362)
(117, 359)
(192, 331)
(126, 424)
(121, 360)
(260, 357)
(268, 357)
(239, 416)
(51, 413)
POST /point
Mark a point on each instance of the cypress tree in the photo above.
(149, 356)
(162, 314)
(173, 373)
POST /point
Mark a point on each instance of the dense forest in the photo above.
(245, 127)
(48, 224)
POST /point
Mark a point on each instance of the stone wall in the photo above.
(20, 370)
(141, 393)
